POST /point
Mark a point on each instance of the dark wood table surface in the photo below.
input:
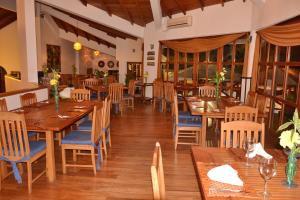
(210, 107)
(207, 158)
(42, 117)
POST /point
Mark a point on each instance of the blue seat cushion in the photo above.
(77, 137)
(85, 125)
(94, 96)
(36, 147)
(189, 123)
(31, 134)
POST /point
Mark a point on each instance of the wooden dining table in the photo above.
(210, 107)
(43, 117)
(208, 158)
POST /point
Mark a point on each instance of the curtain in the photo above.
(201, 44)
(284, 35)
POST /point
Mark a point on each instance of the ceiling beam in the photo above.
(84, 2)
(106, 8)
(180, 7)
(201, 4)
(126, 11)
(222, 2)
(156, 12)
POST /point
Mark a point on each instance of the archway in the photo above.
(2, 79)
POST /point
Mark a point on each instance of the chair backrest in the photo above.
(3, 106)
(107, 103)
(169, 91)
(131, 88)
(251, 99)
(81, 95)
(175, 107)
(14, 143)
(116, 92)
(234, 133)
(158, 89)
(28, 99)
(207, 91)
(239, 113)
(111, 79)
(97, 123)
(262, 103)
(91, 82)
(157, 174)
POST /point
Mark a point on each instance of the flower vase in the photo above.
(291, 170)
(56, 97)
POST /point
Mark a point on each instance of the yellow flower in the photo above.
(289, 140)
(222, 73)
(53, 82)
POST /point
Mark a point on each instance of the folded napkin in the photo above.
(66, 93)
(259, 150)
(225, 174)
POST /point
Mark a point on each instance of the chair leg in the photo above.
(104, 145)
(63, 157)
(75, 155)
(94, 160)
(176, 138)
(59, 136)
(154, 102)
(109, 137)
(3, 169)
(1, 162)
(29, 172)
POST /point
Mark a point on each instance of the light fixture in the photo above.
(77, 45)
(96, 53)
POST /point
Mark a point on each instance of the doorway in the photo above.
(2, 79)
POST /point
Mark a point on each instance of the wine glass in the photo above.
(248, 145)
(267, 169)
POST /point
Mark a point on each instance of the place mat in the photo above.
(217, 189)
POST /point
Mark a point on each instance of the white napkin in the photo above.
(259, 150)
(225, 174)
(66, 93)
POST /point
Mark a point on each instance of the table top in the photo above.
(210, 106)
(42, 116)
(207, 158)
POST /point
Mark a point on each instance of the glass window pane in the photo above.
(171, 55)
(277, 109)
(279, 77)
(261, 76)
(269, 80)
(227, 53)
(202, 56)
(212, 68)
(292, 83)
(238, 70)
(288, 113)
(295, 53)
(281, 54)
(164, 71)
(164, 55)
(190, 57)
(171, 72)
(202, 74)
(181, 73)
(240, 53)
(189, 74)
(213, 55)
(263, 51)
(181, 57)
(228, 73)
(272, 53)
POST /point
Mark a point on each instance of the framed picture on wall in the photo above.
(150, 63)
(150, 58)
(151, 53)
(53, 57)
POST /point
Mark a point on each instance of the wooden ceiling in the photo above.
(79, 32)
(139, 11)
(6, 17)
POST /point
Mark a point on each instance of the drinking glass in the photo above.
(248, 145)
(267, 169)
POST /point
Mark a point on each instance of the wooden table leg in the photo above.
(50, 159)
(3, 169)
(204, 124)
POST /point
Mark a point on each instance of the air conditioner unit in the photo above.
(179, 22)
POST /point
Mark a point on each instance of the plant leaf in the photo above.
(284, 126)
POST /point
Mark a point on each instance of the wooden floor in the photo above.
(125, 174)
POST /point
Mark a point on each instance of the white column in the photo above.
(77, 61)
(27, 40)
(38, 38)
(246, 81)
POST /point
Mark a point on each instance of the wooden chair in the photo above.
(111, 79)
(28, 99)
(85, 140)
(116, 95)
(90, 82)
(234, 133)
(157, 174)
(251, 99)
(3, 105)
(107, 103)
(80, 95)
(237, 113)
(15, 146)
(186, 128)
(169, 92)
(207, 91)
(129, 98)
(158, 93)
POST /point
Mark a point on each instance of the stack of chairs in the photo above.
(158, 94)
(116, 95)
(129, 98)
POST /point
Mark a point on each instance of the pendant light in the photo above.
(77, 45)
(96, 53)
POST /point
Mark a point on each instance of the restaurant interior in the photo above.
(149, 99)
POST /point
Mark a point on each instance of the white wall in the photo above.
(127, 51)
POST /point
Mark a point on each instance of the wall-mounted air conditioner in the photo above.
(179, 22)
